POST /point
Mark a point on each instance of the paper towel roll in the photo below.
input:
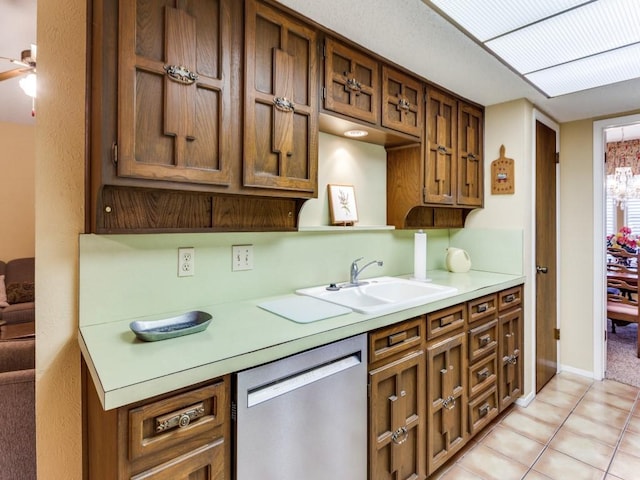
(420, 256)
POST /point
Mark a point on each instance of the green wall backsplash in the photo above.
(129, 276)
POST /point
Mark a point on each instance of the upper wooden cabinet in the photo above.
(174, 91)
(470, 148)
(351, 82)
(281, 112)
(441, 148)
(402, 102)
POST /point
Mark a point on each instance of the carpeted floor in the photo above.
(623, 365)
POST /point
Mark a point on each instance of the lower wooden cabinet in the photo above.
(510, 356)
(446, 399)
(180, 435)
(396, 403)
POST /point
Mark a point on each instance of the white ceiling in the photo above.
(406, 32)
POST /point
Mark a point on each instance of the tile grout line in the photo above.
(624, 430)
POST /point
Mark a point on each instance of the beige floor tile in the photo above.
(558, 398)
(611, 477)
(546, 412)
(529, 426)
(571, 384)
(636, 409)
(617, 401)
(585, 449)
(457, 473)
(625, 466)
(634, 424)
(630, 444)
(513, 445)
(491, 465)
(533, 475)
(588, 427)
(602, 413)
(558, 466)
(616, 388)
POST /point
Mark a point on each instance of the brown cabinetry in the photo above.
(397, 401)
(351, 82)
(184, 435)
(470, 163)
(446, 399)
(174, 96)
(402, 102)
(281, 113)
(441, 148)
(510, 339)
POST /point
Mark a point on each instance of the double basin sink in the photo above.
(380, 295)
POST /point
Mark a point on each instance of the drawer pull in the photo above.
(179, 419)
(404, 105)
(448, 320)
(484, 409)
(512, 359)
(400, 436)
(484, 340)
(483, 307)
(483, 374)
(509, 298)
(397, 338)
(442, 149)
(353, 85)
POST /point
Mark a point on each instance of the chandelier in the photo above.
(623, 185)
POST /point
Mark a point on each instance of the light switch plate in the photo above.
(241, 257)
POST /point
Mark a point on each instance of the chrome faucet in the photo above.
(355, 271)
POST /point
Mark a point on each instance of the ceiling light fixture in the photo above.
(356, 133)
(559, 46)
(28, 85)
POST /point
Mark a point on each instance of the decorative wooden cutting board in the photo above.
(502, 175)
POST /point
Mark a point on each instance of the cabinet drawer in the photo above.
(482, 410)
(483, 307)
(445, 320)
(482, 375)
(509, 298)
(185, 421)
(389, 341)
(482, 340)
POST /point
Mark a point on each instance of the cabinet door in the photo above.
(204, 463)
(440, 163)
(174, 91)
(510, 357)
(401, 102)
(396, 419)
(281, 112)
(470, 163)
(446, 400)
(351, 81)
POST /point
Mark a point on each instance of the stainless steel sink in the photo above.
(381, 295)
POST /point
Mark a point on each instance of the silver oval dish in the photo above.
(185, 324)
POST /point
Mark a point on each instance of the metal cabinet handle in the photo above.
(483, 374)
(473, 157)
(449, 403)
(509, 298)
(283, 104)
(180, 74)
(484, 410)
(179, 419)
(442, 149)
(354, 85)
(484, 340)
(400, 436)
(404, 105)
(483, 308)
(512, 359)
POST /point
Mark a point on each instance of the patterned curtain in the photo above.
(623, 154)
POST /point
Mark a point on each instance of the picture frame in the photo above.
(343, 209)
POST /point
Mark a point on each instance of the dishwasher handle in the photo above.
(301, 379)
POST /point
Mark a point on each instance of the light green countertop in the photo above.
(241, 335)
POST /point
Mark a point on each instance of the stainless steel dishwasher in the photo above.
(305, 416)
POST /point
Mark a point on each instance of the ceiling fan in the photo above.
(26, 64)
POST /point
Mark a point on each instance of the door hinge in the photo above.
(605, 336)
(234, 411)
(556, 333)
(324, 93)
(324, 50)
(114, 153)
(557, 157)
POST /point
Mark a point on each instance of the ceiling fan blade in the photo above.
(14, 73)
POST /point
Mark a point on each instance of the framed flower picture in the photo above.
(342, 204)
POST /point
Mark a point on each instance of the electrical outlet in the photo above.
(186, 261)
(241, 257)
